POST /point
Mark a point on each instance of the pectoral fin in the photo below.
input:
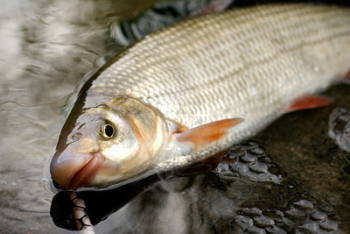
(309, 103)
(200, 137)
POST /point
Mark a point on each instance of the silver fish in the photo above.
(180, 94)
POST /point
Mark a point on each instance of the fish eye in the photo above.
(108, 131)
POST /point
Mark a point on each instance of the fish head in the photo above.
(108, 144)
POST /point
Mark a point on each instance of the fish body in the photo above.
(249, 64)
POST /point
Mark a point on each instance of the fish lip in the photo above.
(87, 172)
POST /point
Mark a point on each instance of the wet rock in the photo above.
(339, 128)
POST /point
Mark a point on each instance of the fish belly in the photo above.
(249, 63)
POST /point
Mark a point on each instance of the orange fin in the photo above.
(309, 103)
(205, 134)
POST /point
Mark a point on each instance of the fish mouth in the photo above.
(71, 169)
(84, 176)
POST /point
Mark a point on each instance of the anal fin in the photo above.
(310, 102)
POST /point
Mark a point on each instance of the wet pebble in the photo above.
(304, 204)
(310, 227)
(248, 158)
(256, 230)
(262, 221)
(294, 213)
(258, 167)
(252, 211)
(274, 229)
(244, 222)
(329, 225)
(319, 215)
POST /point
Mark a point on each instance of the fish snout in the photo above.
(71, 169)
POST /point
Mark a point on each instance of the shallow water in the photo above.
(46, 49)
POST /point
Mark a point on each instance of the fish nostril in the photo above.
(76, 137)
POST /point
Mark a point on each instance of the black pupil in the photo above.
(109, 130)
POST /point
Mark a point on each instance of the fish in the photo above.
(190, 90)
